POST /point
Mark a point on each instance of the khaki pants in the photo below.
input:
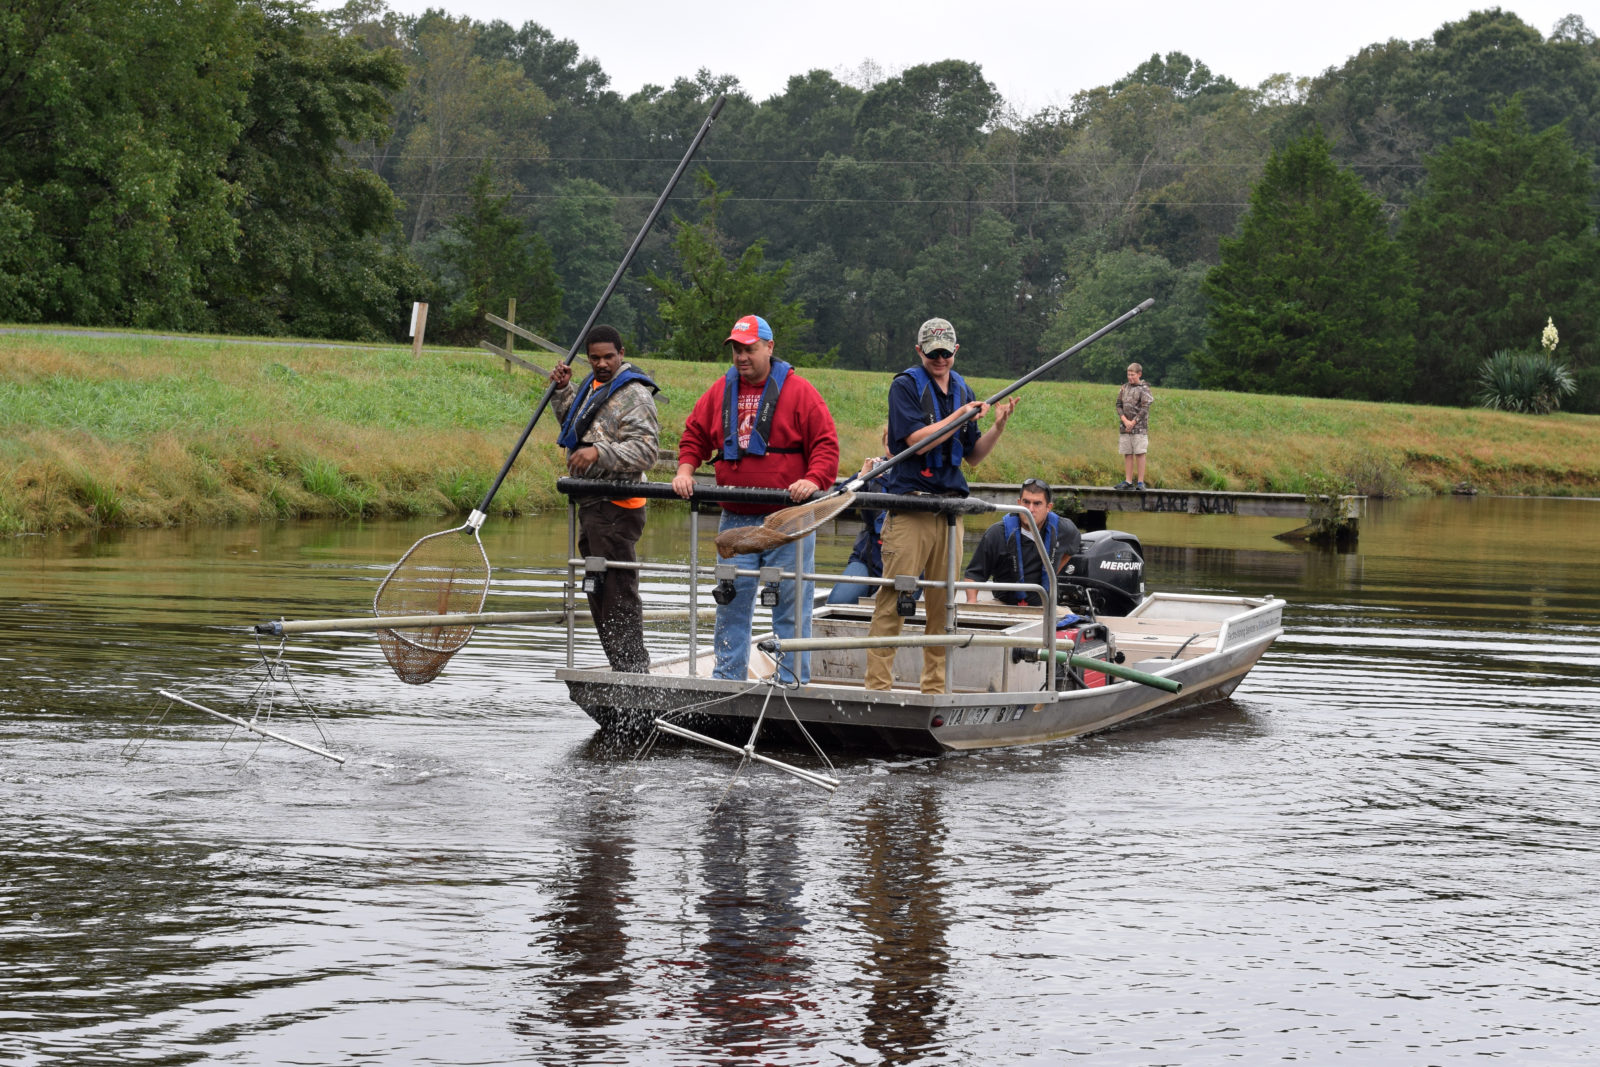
(914, 542)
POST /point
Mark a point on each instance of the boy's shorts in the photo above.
(1133, 444)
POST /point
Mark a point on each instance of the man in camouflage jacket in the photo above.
(610, 430)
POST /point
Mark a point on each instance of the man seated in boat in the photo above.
(610, 429)
(1009, 552)
(866, 556)
(765, 427)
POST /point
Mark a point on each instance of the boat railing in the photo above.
(582, 570)
(1266, 615)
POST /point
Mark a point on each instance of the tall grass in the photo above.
(135, 431)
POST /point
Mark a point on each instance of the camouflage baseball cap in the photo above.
(936, 335)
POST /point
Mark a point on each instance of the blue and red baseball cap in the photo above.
(750, 329)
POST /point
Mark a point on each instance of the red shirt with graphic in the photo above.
(801, 421)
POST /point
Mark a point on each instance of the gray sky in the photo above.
(1038, 52)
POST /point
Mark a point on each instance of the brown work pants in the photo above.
(607, 530)
(914, 542)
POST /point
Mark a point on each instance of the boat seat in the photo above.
(1157, 637)
(1186, 627)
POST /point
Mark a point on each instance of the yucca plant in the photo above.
(1532, 382)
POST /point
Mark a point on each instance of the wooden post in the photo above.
(511, 340)
(419, 323)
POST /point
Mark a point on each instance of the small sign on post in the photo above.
(419, 323)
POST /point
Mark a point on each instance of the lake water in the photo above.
(1384, 849)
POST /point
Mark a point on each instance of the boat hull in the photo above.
(846, 716)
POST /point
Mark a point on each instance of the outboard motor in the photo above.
(1106, 577)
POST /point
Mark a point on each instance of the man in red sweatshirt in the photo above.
(765, 427)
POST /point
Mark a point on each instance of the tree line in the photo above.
(253, 166)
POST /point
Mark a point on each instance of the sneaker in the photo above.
(1139, 486)
(1123, 485)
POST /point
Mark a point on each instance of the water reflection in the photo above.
(585, 983)
(900, 904)
(1396, 807)
(114, 938)
(753, 995)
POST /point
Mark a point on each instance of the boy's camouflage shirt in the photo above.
(1133, 402)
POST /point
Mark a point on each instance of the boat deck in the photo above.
(1139, 637)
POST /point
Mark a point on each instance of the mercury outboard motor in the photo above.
(1106, 577)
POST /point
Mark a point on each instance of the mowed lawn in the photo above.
(140, 430)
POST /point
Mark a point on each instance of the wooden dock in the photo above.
(1323, 517)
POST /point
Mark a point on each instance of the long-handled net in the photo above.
(448, 572)
(789, 524)
(445, 573)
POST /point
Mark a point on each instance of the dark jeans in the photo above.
(607, 530)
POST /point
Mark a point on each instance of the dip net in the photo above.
(781, 527)
(443, 574)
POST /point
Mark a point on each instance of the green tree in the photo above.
(315, 252)
(814, 117)
(590, 129)
(978, 282)
(1312, 296)
(915, 167)
(1160, 340)
(115, 121)
(464, 109)
(487, 258)
(1188, 79)
(1503, 238)
(712, 291)
(1162, 160)
(1393, 103)
(580, 226)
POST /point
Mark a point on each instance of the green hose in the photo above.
(1116, 670)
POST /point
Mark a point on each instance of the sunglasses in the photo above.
(940, 353)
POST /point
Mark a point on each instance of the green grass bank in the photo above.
(134, 430)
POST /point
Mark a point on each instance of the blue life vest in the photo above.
(869, 542)
(869, 545)
(588, 403)
(761, 433)
(1012, 524)
(950, 452)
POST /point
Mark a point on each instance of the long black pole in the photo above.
(475, 520)
(924, 445)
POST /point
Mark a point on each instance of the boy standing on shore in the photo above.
(1133, 413)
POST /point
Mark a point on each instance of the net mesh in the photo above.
(781, 527)
(443, 574)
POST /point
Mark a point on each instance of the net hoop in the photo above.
(444, 573)
(782, 527)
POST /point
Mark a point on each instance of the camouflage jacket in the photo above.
(626, 431)
(1133, 402)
